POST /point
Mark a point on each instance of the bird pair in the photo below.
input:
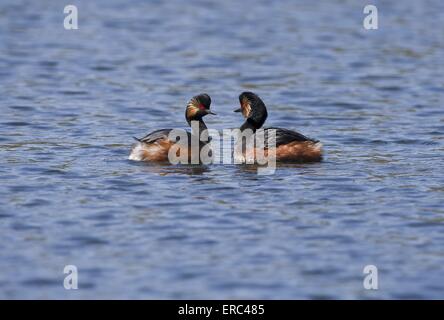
(285, 145)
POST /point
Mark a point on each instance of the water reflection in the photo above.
(165, 169)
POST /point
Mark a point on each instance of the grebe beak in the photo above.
(237, 110)
(211, 112)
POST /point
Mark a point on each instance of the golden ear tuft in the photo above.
(246, 107)
(192, 108)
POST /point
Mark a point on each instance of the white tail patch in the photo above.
(136, 152)
(318, 146)
(140, 151)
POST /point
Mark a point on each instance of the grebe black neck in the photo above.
(253, 109)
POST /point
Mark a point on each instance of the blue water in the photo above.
(70, 102)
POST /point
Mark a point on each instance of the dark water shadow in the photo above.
(166, 168)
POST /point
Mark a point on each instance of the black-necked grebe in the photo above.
(291, 146)
(156, 145)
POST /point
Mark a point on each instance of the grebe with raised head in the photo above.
(155, 146)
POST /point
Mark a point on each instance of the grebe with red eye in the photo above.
(290, 146)
(156, 145)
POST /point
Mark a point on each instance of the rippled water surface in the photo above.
(70, 102)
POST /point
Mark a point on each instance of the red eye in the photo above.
(201, 107)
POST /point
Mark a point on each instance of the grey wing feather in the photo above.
(155, 136)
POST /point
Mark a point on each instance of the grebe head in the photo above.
(253, 109)
(198, 107)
